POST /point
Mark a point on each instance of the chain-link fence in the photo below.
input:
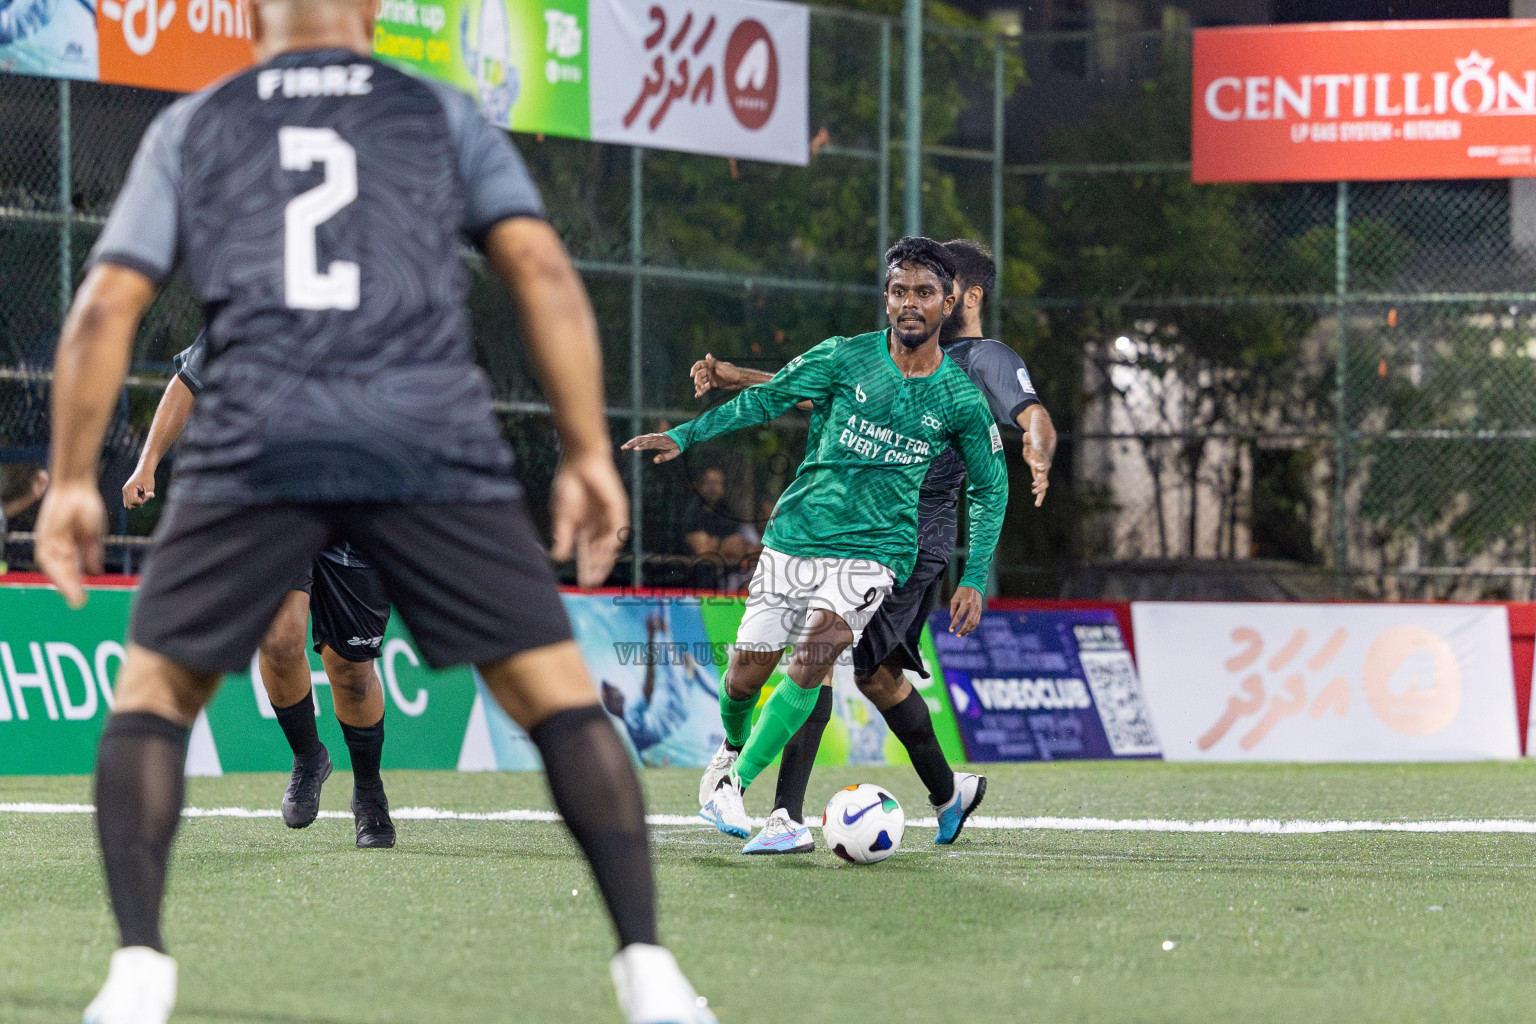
(1187, 339)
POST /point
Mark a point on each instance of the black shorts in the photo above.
(348, 608)
(894, 633)
(470, 580)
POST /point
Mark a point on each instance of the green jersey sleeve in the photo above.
(981, 446)
(807, 376)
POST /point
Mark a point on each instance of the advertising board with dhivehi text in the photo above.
(720, 77)
(1365, 101)
(1335, 682)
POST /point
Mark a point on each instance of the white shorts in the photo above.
(786, 590)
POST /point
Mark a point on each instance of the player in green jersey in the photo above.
(845, 531)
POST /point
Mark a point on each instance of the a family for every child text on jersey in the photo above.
(872, 438)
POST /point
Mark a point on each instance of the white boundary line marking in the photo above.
(1244, 826)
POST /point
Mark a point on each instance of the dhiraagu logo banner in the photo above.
(525, 63)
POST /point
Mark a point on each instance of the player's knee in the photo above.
(877, 689)
(285, 648)
(356, 680)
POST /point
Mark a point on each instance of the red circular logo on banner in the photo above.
(751, 74)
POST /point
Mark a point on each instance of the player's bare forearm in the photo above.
(1039, 449)
(1039, 431)
(170, 420)
(90, 365)
(710, 373)
(559, 329)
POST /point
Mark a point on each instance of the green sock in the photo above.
(736, 715)
(782, 717)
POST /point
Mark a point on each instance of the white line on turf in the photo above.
(1248, 826)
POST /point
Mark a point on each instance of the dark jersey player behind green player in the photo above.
(888, 404)
(889, 646)
(346, 597)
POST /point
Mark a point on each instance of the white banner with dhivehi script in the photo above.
(1341, 682)
(721, 77)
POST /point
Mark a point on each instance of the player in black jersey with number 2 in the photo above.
(318, 203)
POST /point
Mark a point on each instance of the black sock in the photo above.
(597, 792)
(366, 745)
(140, 784)
(298, 722)
(913, 725)
(799, 758)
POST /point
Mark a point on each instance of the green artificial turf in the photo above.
(477, 921)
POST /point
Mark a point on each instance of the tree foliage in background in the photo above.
(1126, 243)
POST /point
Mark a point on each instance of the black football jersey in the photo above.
(1002, 377)
(317, 203)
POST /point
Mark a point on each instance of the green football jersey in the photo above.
(872, 438)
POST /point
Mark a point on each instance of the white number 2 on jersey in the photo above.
(304, 286)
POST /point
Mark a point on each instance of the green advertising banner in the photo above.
(857, 733)
(58, 667)
(526, 63)
(656, 661)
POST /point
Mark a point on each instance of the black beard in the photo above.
(910, 341)
(949, 330)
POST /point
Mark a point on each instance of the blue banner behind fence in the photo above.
(1045, 685)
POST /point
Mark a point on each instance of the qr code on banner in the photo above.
(1117, 694)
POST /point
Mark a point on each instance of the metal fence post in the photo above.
(1341, 379)
(636, 335)
(912, 62)
(995, 310)
(883, 198)
(66, 209)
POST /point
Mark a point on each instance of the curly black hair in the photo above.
(917, 251)
(973, 266)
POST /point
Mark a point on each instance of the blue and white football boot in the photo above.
(969, 791)
(781, 834)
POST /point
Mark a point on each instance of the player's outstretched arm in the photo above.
(88, 373)
(1039, 448)
(590, 508)
(710, 374)
(987, 492)
(170, 420)
(806, 377)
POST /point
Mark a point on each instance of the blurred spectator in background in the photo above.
(15, 500)
(715, 537)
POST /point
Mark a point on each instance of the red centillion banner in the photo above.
(1365, 101)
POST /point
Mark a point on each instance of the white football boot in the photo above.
(652, 990)
(725, 809)
(140, 989)
(719, 767)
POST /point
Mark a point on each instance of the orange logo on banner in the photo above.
(1365, 101)
(177, 45)
(1411, 680)
(1425, 701)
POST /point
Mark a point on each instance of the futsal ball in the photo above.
(863, 824)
